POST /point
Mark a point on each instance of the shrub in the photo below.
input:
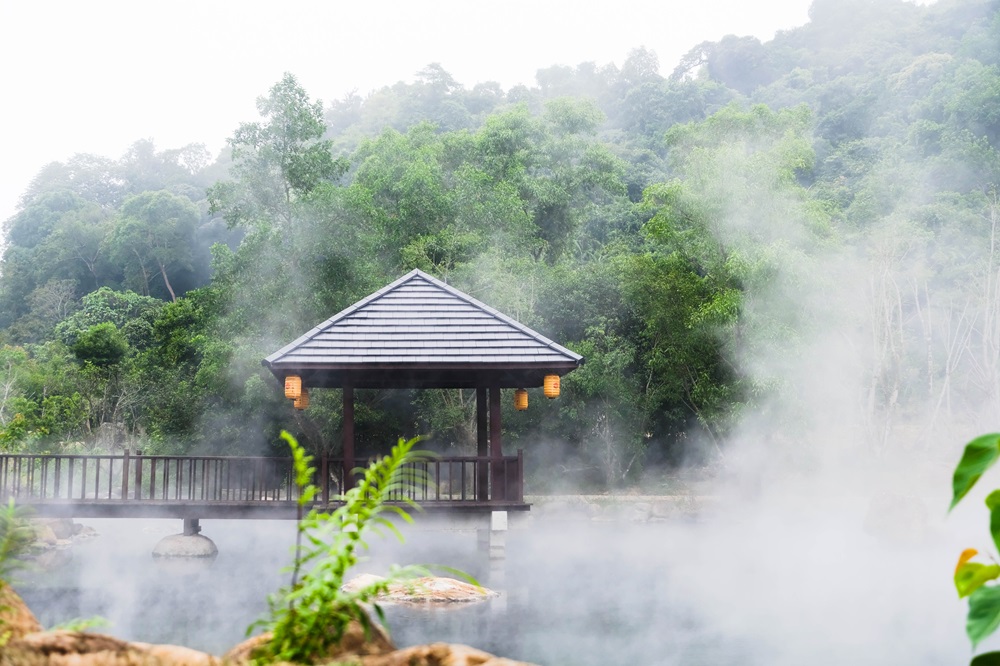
(309, 617)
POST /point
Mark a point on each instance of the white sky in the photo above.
(97, 75)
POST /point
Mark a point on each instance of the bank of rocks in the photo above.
(27, 645)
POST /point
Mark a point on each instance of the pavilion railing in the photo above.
(129, 477)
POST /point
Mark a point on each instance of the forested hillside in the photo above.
(794, 240)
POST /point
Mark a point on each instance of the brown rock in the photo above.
(15, 616)
(44, 535)
(354, 643)
(66, 648)
(439, 654)
(62, 528)
(178, 655)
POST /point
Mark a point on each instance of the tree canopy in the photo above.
(802, 231)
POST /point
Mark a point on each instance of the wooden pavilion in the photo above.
(420, 332)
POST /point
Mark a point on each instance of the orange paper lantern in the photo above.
(551, 386)
(302, 401)
(293, 387)
(520, 400)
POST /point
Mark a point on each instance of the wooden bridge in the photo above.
(194, 487)
(416, 333)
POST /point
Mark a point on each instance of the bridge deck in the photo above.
(278, 510)
(133, 486)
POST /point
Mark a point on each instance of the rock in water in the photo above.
(185, 554)
(429, 589)
(186, 545)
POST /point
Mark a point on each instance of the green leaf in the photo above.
(986, 659)
(984, 614)
(993, 503)
(972, 575)
(979, 455)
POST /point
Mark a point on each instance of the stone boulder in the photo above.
(439, 654)
(45, 536)
(27, 645)
(186, 546)
(74, 648)
(354, 648)
(61, 528)
(15, 616)
(354, 643)
(428, 589)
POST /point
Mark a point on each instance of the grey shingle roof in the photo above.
(420, 323)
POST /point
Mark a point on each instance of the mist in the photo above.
(785, 278)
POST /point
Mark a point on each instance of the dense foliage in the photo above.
(703, 238)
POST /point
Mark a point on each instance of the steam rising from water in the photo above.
(824, 540)
(774, 584)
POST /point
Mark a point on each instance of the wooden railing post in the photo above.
(125, 461)
(138, 475)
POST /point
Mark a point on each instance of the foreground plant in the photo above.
(972, 578)
(309, 617)
(16, 537)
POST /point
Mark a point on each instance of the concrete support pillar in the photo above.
(498, 558)
(188, 551)
(498, 535)
(491, 537)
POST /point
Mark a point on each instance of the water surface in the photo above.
(764, 590)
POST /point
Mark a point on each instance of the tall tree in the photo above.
(277, 162)
(153, 240)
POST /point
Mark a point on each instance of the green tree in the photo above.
(102, 346)
(53, 238)
(131, 314)
(735, 226)
(278, 162)
(153, 239)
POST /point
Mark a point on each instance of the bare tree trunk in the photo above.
(145, 273)
(166, 281)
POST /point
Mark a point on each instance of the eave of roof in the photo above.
(420, 331)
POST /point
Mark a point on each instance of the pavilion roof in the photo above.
(421, 332)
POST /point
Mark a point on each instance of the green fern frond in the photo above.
(310, 616)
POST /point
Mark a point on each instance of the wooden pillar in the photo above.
(324, 476)
(482, 445)
(496, 448)
(348, 436)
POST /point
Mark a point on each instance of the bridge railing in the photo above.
(225, 479)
